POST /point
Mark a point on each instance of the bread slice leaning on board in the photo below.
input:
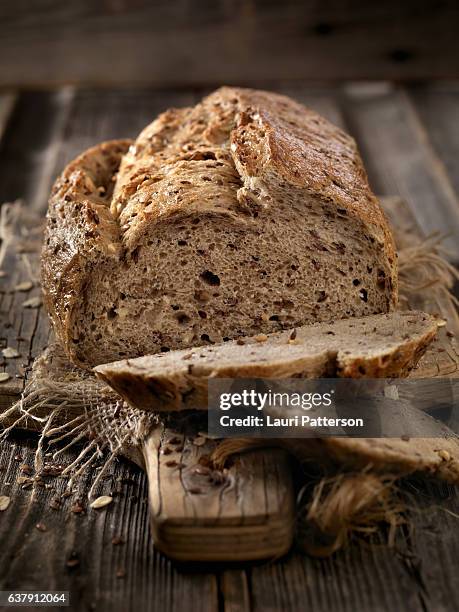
(386, 345)
(245, 214)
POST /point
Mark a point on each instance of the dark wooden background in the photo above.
(196, 42)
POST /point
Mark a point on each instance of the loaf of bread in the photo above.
(375, 346)
(245, 214)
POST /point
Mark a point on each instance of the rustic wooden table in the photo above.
(409, 139)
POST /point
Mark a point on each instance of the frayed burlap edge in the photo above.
(70, 408)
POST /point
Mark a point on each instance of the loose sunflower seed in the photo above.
(4, 502)
(10, 353)
(34, 302)
(25, 286)
(199, 441)
(101, 501)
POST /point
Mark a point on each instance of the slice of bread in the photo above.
(245, 214)
(386, 345)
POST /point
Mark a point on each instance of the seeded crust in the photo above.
(245, 214)
(370, 347)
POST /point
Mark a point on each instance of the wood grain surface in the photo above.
(244, 512)
(80, 550)
(189, 43)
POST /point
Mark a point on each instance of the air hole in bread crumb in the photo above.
(182, 243)
(165, 349)
(322, 296)
(182, 318)
(210, 278)
(362, 370)
(111, 314)
(356, 282)
(363, 293)
(274, 318)
(202, 314)
(205, 338)
(135, 254)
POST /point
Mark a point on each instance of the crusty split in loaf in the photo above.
(246, 214)
(371, 347)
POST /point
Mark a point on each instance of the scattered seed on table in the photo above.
(34, 302)
(10, 353)
(120, 573)
(72, 561)
(41, 527)
(101, 501)
(24, 286)
(117, 541)
(4, 502)
(4, 376)
(199, 441)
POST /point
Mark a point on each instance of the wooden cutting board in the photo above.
(242, 513)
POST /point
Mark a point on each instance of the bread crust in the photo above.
(80, 232)
(275, 146)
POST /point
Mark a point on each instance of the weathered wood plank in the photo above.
(30, 146)
(213, 42)
(105, 558)
(438, 107)
(235, 591)
(400, 159)
(7, 103)
(434, 544)
(244, 512)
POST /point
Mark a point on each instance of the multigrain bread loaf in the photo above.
(245, 214)
(371, 347)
